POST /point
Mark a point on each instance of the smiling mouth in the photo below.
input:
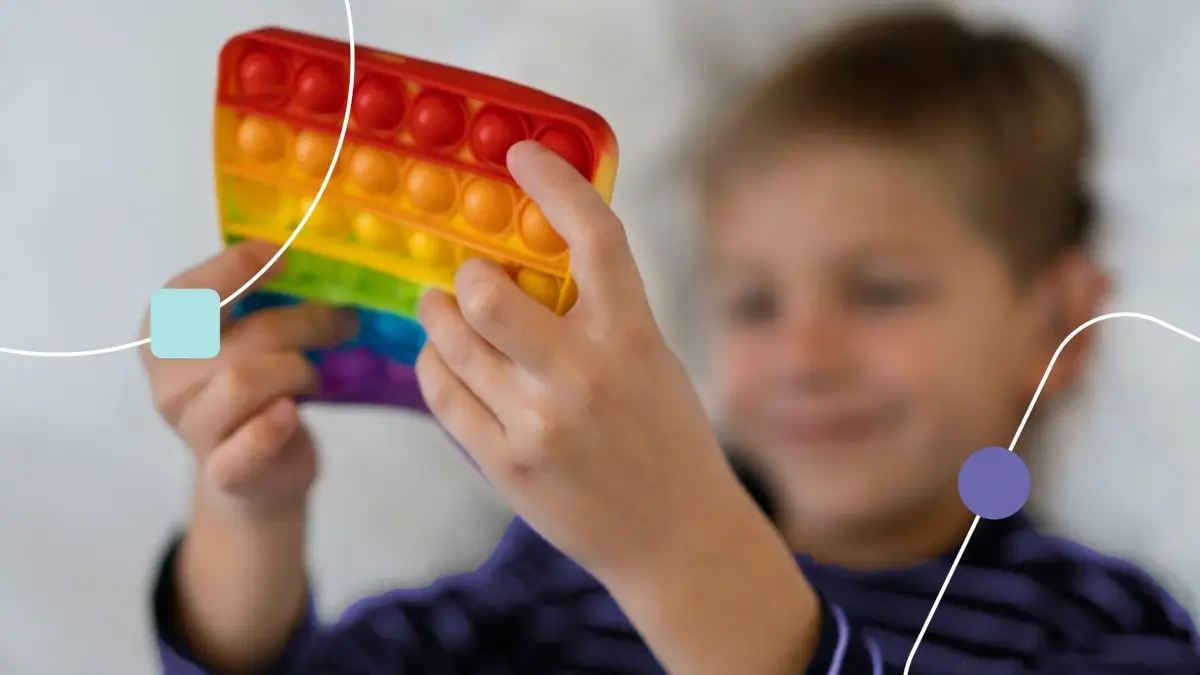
(823, 431)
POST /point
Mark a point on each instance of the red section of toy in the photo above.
(446, 115)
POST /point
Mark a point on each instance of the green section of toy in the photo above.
(317, 278)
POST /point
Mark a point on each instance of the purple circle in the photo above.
(994, 483)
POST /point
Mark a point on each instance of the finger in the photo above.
(245, 456)
(601, 260)
(239, 392)
(225, 273)
(458, 410)
(230, 269)
(472, 359)
(503, 315)
(298, 327)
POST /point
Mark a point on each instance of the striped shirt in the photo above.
(1019, 602)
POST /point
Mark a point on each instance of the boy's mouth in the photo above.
(826, 430)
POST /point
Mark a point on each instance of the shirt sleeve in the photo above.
(463, 623)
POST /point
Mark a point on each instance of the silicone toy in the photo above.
(421, 185)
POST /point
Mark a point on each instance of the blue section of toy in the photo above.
(392, 336)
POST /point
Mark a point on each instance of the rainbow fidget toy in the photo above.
(421, 185)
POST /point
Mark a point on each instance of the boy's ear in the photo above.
(1077, 289)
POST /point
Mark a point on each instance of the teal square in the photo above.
(185, 323)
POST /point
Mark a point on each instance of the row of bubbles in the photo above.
(274, 211)
(387, 107)
(477, 205)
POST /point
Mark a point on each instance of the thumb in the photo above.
(239, 463)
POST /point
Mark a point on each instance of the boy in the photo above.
(898, 239)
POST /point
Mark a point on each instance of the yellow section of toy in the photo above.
(606, 176)
(258, 210)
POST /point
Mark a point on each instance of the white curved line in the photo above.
(1020, 428)
(278, 254)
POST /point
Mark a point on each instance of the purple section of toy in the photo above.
(360, 376)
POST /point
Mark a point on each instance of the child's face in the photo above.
(869, 339)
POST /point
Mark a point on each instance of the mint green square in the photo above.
(185, 323)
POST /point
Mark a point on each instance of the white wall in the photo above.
(1116, 468)
(105, 176)
(1123, 467)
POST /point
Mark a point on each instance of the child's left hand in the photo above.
(587, 423)
(590, 427)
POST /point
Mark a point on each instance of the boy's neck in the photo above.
(908, 540)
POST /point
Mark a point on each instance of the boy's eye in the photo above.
(882, 294)
(754, 307)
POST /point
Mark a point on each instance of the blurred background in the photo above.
(106, 186)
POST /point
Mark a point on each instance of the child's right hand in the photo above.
(238, 411)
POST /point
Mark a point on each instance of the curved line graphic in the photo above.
(1020, 428)
(278, 254)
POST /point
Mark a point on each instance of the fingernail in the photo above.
(482, 263)
(263, 249)
(526, 146)
(430, 295)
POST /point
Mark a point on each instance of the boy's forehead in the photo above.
(851, 173)
(843, 230)
(743, 256)
(835, 198)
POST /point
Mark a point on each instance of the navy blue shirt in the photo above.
(1019, 602)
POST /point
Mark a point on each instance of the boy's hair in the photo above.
(1007, 119)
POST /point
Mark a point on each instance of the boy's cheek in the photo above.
(740, 379)
(738, 395)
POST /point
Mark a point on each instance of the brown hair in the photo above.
(1006, 115)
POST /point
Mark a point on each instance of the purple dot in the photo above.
(994, 483)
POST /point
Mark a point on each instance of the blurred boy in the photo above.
(898, 238)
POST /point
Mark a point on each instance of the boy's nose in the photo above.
(814, 351)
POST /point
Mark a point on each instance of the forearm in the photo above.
(731, 599)
(241, 585)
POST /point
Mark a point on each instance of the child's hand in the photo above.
(237, 411)
(587, 423)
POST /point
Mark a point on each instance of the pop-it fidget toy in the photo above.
(421, 185)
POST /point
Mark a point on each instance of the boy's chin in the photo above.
(849, 454)
(847, 495)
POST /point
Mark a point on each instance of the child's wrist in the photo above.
(726, 595)
(210, 491)
(215, 505)
(712, 528)
(710, 547)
